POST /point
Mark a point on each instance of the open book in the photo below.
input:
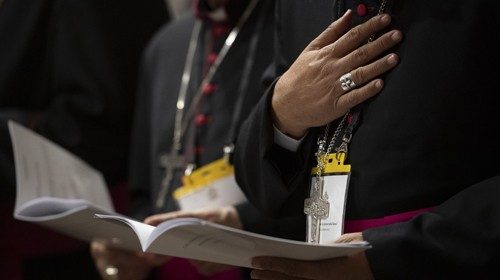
(57, 190)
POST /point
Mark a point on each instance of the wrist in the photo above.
(281, 121)
(290, 131)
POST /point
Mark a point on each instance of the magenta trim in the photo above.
(360, 225)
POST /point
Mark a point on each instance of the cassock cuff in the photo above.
(285, 141)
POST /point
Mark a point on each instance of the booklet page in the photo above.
(202, 240)
(44, 169)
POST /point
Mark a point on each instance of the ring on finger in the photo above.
(111, 272)
(346, 82)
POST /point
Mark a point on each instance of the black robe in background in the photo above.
(68, 69)
(429, 139)
(162, 69)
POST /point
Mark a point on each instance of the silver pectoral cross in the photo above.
(317, 208)
(172, 162)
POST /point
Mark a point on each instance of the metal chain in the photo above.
(182, 121)
(380, 11)
(183, 89)
(228, 43)
(321, 154)
(183, 117)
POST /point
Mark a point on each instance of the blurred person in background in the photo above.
(216, 118)
(178, 7)
(68, 70)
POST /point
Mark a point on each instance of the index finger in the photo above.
(332, 33)
(359, 35)
(159, 218)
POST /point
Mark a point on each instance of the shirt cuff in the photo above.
(285, 141)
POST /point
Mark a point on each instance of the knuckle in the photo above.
(351, 99)
(382, 43)
(356, 97)
(366, 92)
(372, 24)
(378, 67)
(359, 75)
(361, 54)
(354, 34)
(328, 50)
(324, 70)
(333, 30)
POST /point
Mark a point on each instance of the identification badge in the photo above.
(325, 208)
(209, 186)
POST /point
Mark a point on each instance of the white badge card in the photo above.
(210, 186)
(325, 208)
(335, 191)
(220, 193)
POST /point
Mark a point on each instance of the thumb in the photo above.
(350, 238)
(159, 218)
(332, 33)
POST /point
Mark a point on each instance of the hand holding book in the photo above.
(59, 191)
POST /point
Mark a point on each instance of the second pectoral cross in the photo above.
(317, 208)
(171, 162)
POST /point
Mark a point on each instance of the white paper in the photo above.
(201, 240)
(45, 170)
(59, 191)
(335, 187)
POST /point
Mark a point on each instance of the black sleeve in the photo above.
(460, 238)
(274, 179)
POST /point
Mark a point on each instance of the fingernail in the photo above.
(396, 36)
(385, 18)
(343, 16)
(378, 84)
(392, 59)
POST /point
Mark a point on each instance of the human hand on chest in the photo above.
(310, 93)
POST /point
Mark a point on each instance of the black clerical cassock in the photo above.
(426, 144)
